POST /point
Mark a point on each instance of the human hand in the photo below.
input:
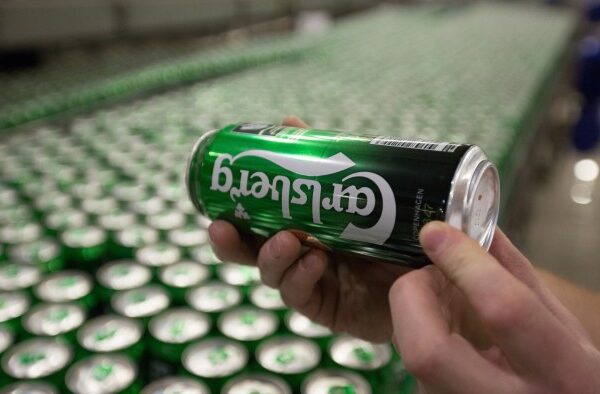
(518, 338)
(345, 293)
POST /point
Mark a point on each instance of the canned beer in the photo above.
(248, 325)
(365, 195)
(122, 275)
(304, 327)
(141, 303)
(265, 297)
(29, 388)
(256, 383)
(13, 305)
(67, 286)
(111, 334)
(176, 384)
(213, 297)
(44, 253)
(335, 381)
(181, 276)
(19, 276)
(103, 374)
(53, 320)
(7, 338)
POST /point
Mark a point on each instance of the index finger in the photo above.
(531, 337)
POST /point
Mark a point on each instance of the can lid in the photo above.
(288, 355)
(116, 220)
(53, 319)
(266, 297)
(141, 302)
(36, 358)
(83, 237)
(30, 388)
(123, 275)
(333, 381)
(188, 236)
(149, 206)
(176, 384)
(213, 297)
(158, 255)
(214, 358)
(19, 276)
(62, 286)
(359, 354)
(109, 333)
(35, 252)
(184, 274)
(101, 374)
(24, 231)
(137, 236)
(238, 274)
(247, 323)
(6, 338)
(13, 304)
(67, 218)
(179, 325)
(474, 199)
(304, 327)
(205, 255)
(257, 383)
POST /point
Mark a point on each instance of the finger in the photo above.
(519, 266)
(438, 358)
(294, 121)
(298, 285)
(531, 337)
(228, 245)
(276, 256)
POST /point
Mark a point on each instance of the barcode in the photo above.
(413, 144)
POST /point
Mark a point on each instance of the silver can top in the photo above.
(188, 236)
(256, 383)
(158, 255)
(247, 323)
(167, 220)
(304, 327)
(179, 325)
(116, 220)
(137, 236)
(288, 355)
(18, 276)
(29, 388)
(213, 297)
(101, 374)
(141, 302)
(359, 354)
(474, 199)
(13, 304)
(83, 237)
(333, 381)
(184, 274)
(64, 286)
(42, 250)
(66, 218)
(123, 275)
(53, 319)
(266, 297)
(109, 333)
(214, 358)
(205, 255)
(239, 274)
(36, 358)
(176, 385)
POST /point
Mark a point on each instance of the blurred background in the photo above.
(101, 101)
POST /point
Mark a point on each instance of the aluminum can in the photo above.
(15, 276)
(158, 255)
(103, 374)
(248, 325)
(121, 275)
(85, 245)
(176, 384)
(257, 383)
(364, 195)
(335, 381)
(128, 240)
(111, 334)
(302, 326)
(141, 303)
(44, 253)
(213, 297)
(54, 320)
(178, 278)
(67, 286)
(7, 338)
(13, 305)
(205, 255)
(29, 388)
(265, 297)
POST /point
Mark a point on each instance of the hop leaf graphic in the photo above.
(240, 212)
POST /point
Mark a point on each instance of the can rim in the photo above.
(191, 190)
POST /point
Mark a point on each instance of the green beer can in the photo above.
(13, 305)
(213, 298)
(335, 381)
(15, 276)
(23, 387)
(85, 245)
(7, 338)
(302, 326)
(141, 303)
(178, 278)
(364, 195)
(121, 275)
(130, 239)
(257, 383)
(206, 256)
(67, 286)
(175, 385)
(111, 334)
(248, 325)
(54, 320)
(103, 374)
(265, 297)
(44, 253)
(158, 255)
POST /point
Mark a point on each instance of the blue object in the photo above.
(586, 132)
(588, 78)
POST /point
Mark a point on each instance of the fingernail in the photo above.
(433, 237)
(275, 246)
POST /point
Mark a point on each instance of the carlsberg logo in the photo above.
(300, 191)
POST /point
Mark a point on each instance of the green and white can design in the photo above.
(101, 374)
(256, 383)
(36, 358)
(214, 358)
(333, 381)
(137, 236)
(365, 195)
(184, 274)
(239, 274)
(247, 323)
(304, 327)
(358, 354)
(53, 319)
(29, 388)
(64, 286)
(142, 302)
(19, 276)
(205, 255)
(288, 355)
(13, 304)
(176, 385)
(266, 297)
(179, 325)
(213, 297)
(188, 236)
(109, 333)
(123, 275)
(158, 255)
